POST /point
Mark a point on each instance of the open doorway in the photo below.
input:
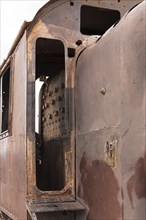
(50, 115)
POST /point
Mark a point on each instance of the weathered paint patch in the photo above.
(137, 183)
(99, 188)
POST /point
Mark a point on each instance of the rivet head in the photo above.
(50, 116)
(45, 105)
(56, 89)
(56, 113)
(62, 109)
(78, 42)
(103, 91)
(50, 93)
(53, 102)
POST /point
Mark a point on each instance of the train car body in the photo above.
(72, 118)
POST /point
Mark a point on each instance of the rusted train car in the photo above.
(72, 114)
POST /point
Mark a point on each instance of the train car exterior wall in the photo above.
(74, 148)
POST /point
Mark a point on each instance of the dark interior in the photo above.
(5, 99)
(49, 57)
(96, 21)
(50, 141)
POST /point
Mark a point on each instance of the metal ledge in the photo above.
(54, 207)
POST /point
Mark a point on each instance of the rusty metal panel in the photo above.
(12, 148)
(110, 120)
(53, 106)
(67, 30)
(71, 18)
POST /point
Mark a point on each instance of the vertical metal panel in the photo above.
(110, 110)
(12, 148)
(103, 101)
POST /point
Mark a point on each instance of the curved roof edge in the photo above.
(49, 3)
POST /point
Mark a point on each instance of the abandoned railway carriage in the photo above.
(72, 119)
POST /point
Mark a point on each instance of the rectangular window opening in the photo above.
(50, 129)
(5, 90)
(96, 21)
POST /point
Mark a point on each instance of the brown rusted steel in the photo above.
(110, 140)
(13, 147)
(95, 106)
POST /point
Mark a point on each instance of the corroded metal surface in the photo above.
(53, 106)
(117, 63)
(104, 119)
(13, 147)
